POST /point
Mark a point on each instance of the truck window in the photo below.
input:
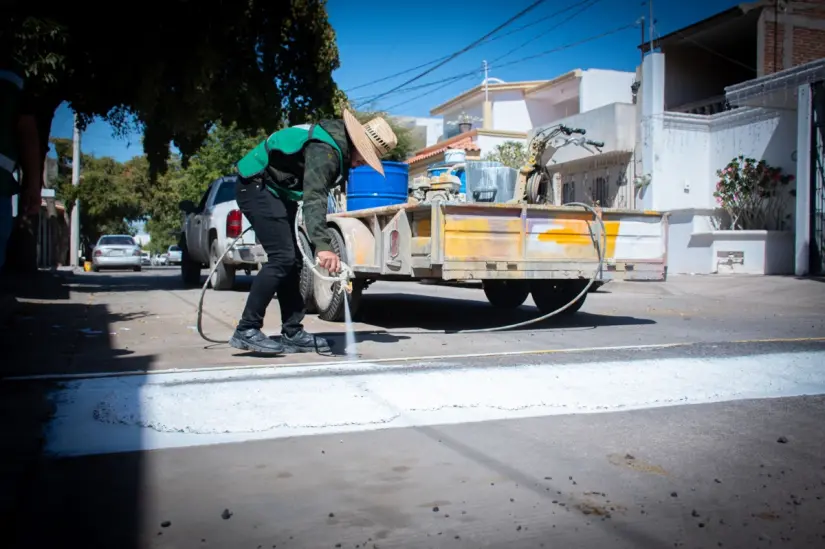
(202, 204)
(226, 192)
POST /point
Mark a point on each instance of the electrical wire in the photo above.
(464, 76)
(452, 56)
(486, 41)
(588, 4)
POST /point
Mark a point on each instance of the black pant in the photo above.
(273, 221)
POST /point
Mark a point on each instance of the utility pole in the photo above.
(487, 113)
(641, 22)
(75, 238)
(650, 22)
(486, 92)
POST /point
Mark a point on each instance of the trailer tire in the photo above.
(328, 300)
(506, 294)
(550, 295)
(307, 278)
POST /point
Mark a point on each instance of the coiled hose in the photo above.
(347, 274)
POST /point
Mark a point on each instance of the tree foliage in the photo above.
(510, 153)
(177, 71)
(111, 193)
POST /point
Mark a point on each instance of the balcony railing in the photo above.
(713, 105)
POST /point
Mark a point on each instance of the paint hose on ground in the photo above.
(343, 278)
(346, 275)
(600, 247)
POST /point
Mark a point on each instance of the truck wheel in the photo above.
(190, 270)
(224, 276)
(330, 301)
(550, 295)
(506, 294)
(307, 278)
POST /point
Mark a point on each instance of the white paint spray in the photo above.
(173, 410)
(351, 348)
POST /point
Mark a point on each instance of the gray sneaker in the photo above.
(255, 340)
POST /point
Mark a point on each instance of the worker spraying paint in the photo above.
(296, 168)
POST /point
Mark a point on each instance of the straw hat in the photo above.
(373, 139)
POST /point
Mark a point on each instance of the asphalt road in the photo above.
(696, 424)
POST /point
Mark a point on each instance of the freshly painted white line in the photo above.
(190, 409)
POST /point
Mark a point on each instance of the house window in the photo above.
(599, 191)
(568, 192)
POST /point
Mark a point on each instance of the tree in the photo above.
(510, 153)
(176, 72)
(223, 147)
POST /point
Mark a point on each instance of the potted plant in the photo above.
(464, 122)
(755, 236)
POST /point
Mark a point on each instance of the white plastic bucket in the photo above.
(455, 155)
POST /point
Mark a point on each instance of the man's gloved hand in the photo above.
(330, 261)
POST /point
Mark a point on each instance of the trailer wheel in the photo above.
(550, 295)
(330, 301)
(307, 278)
(506, 294)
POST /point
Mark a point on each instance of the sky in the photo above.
(377, 39)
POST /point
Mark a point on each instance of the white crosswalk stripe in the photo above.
(129, 413)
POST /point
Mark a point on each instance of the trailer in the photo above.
(516, 249)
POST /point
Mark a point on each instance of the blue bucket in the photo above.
(367, 189)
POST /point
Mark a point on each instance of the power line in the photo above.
(487, 41)
(464, 76)
(370, 99)
(571, 45)
(520, 14)
(456, 79)
(589, 4)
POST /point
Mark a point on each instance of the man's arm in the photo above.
(320, 172)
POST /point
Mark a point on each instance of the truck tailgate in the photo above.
(501, 241)
(249, 237)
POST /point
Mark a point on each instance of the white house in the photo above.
(495, 111)
(703, 101)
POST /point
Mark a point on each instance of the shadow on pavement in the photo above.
(402, 310)
(47, 500)
(148, 280)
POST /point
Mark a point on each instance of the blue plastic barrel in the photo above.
(367, 189)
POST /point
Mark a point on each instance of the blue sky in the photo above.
(379, 38)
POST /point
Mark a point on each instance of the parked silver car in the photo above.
(114, 251)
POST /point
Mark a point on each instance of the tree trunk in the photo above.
(21, 255)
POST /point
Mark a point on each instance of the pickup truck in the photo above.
(211, 227)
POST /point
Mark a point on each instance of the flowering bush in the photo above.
(754, 194)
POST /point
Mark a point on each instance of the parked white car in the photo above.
(116, 251)
(211, 227)
(174, 255)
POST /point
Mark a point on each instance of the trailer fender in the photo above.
(358, 239)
